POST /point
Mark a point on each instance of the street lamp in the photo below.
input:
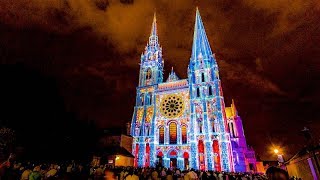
(280, 157)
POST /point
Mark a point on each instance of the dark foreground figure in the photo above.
(77, 171)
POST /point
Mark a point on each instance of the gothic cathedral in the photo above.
(183, 122)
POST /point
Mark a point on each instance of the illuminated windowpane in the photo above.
(184, 134)
(173, 133)
(161, 135)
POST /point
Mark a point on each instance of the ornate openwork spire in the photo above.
(153, 39)
(200, 47)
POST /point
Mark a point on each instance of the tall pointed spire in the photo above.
(154, 25)
(200, 48)
(153, 39)
(151, 66)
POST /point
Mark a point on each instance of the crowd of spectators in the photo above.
(77, 171)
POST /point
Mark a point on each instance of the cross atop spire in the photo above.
(153, 39)
(200, 47)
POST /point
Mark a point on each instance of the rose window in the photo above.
(172, 106)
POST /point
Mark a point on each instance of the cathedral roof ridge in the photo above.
(173, 84)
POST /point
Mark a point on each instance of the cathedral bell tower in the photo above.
(151, 65)
(150, 75)
(208, 132)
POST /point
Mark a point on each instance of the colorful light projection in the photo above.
(184, 121)
(161, 135)
(173, 133)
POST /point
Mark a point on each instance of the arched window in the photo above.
(141, 99)
(198, 92)
(149, 74)
(161, 135)
(212, 126)
(184, 134)
(202, 77)
(210, 90)
(150, 98)
(232, 130)
(200, 126)
(173, 133)
(147, 130)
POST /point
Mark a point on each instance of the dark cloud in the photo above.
(267, 52)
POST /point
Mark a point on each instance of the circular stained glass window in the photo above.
(172, 106)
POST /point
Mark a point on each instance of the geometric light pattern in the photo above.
(172, 106)
(183, 122)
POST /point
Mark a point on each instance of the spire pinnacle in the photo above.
(234, 109)
(200, 44)
(154, 26)
(172, 76)
(153, 39)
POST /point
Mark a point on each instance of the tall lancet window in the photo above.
(147, 128)
(141, 99)
(184, 134)
(173, 133)
(210, 90)
(149, 76)
(200, 126)
(232, 130)
(150, 98)
(161, 135)
(202, 77)
(212, 126)
(198, 92)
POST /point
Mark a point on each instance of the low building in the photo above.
(305, 164)
(114, 148)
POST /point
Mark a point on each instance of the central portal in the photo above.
(173, 162)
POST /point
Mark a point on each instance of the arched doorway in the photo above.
(186, 160)
(173, 158)
(159, 158)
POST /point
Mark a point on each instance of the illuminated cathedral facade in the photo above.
(184, 122)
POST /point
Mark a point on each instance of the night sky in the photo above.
(65, 62)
